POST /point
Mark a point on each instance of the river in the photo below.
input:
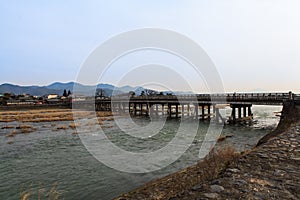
(44, 157)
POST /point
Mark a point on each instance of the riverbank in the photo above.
(268, 171)
(16, 122)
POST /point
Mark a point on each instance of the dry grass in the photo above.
(206, 170)
(107, 118)
(7, 127)
(48, 115)
(103, 113)
(53, 194)
(10, 142)
(100, 122)
(61, 127)
(26, 128)
(90, 123)
(223, 137)
(73, 126)
(12, 133)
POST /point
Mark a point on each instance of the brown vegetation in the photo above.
(223, 137)
(10, 142)
(104, 113)
(61, 127)
(48, 115)
(53, 194)
(12, 133)
(73, 126)
(26, 128)
(7, 127)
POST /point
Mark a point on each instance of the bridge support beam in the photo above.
(240, 112)
(240, 107)
(233, 115)
(169, 110)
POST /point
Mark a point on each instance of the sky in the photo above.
(254, 44)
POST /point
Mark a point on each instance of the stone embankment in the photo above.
(270, 171)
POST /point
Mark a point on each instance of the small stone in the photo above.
(197, 187)
(243, 190)
(216, 188)
(234, 170)
(278, 172)
(241, 182)
(295, 158)
(211, 195)
(215, 182)
(262, 155)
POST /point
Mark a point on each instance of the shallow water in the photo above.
(45, 156)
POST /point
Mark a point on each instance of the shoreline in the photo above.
(251, 175)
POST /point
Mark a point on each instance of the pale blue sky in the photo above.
(254, 43)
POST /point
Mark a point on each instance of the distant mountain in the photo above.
(33, 90)
(58, 88)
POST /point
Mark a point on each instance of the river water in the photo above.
(44, 157)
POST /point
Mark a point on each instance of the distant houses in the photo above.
(9, 99)
(52, 96)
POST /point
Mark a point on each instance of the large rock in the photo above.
(216, 188)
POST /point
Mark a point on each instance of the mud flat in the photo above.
(16, 122)
(271, 170)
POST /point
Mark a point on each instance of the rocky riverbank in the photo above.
(269, 171)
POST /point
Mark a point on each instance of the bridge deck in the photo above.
(232, 98)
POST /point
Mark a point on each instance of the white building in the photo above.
(52, 96)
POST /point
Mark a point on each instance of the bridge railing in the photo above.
(228, 97)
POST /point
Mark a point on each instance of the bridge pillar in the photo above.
(217, 115)
(134, 108)
(147, 109)
(196, 110)
(240, 112)
(170, 110)
(188, 108)
(249, 111)
(182, 110)
(176, 110)
(233, 115)
(245, 111)
(150, 109)
(208, 111)
(124, 107)
(203, 111)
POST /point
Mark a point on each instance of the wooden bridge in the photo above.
(198, 106)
